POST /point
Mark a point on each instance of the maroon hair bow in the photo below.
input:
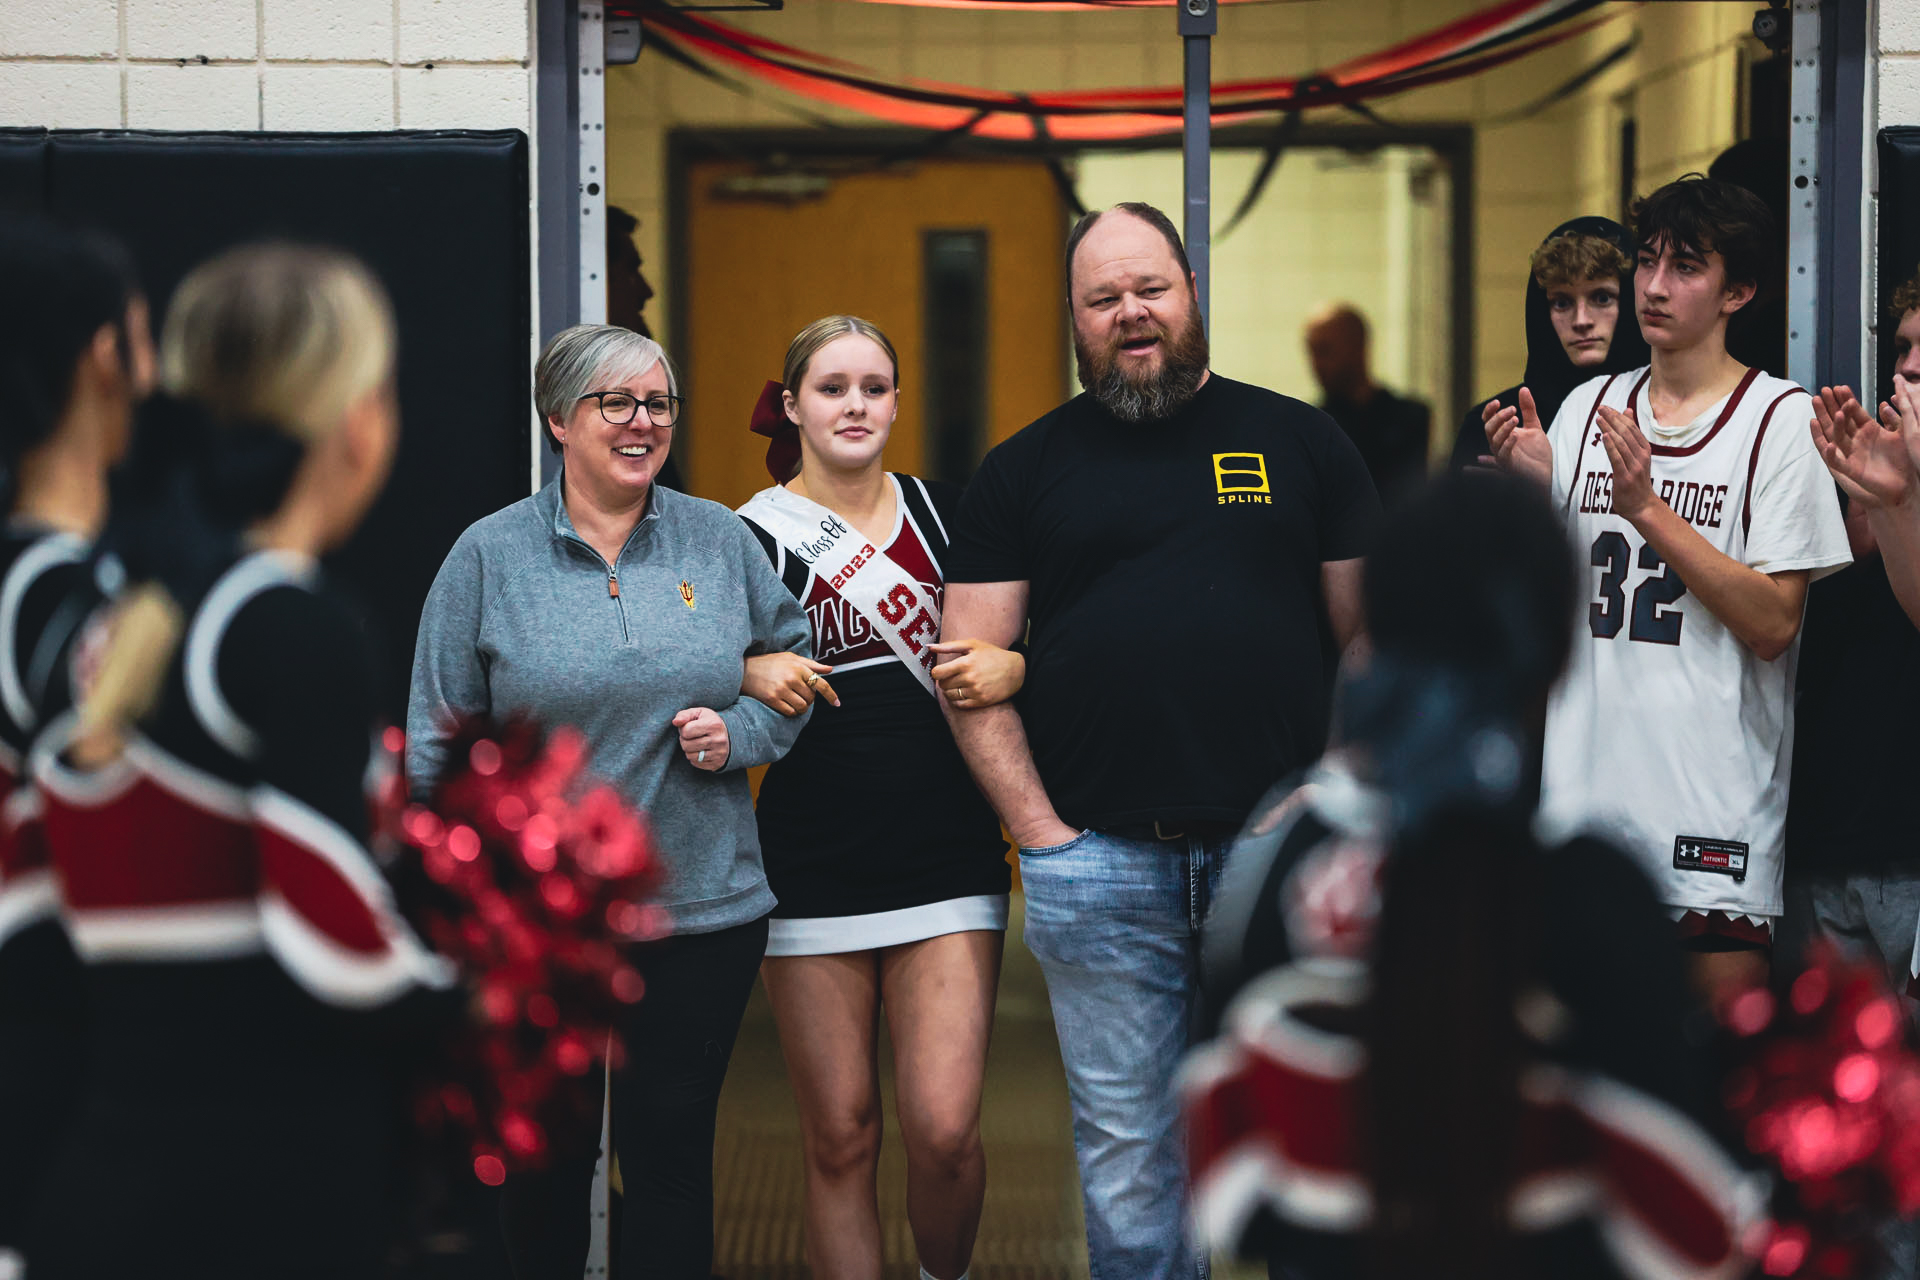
(770, 420)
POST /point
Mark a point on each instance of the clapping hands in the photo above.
(1518, 441)
(1876, 462)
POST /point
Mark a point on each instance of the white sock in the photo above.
(928, 1275)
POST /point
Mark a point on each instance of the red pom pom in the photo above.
(628, 986)
(571, 1055)
(626, 919)
(1829, 1091)
(423, 828)
(512, 812)
(1785, 1252)
(1750, 1011)
(531, 878)
(463, 843)
(1809, 991)
(522, 1136)
(1878, 1023)
(1855, 1079)
(485, 757)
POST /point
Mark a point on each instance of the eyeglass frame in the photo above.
(676, 405)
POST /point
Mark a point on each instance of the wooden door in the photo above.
(769, 254)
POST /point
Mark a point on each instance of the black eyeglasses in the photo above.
(619, 407)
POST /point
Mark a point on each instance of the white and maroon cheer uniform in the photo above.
(47, 589)
(871, 827)
(1667, 733)
(1608, 1180)
(246, 969)
(1617, 1173)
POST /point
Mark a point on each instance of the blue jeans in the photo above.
(1115, 924)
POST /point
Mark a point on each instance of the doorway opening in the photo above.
(958, 257)
(1373, 226)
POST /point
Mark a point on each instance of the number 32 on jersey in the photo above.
(1654, 619)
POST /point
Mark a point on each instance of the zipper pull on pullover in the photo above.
(613, 583)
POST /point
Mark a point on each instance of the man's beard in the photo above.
(1148, 396)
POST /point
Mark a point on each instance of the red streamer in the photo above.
(1468, 46)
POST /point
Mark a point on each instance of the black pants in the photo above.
(679, 1038)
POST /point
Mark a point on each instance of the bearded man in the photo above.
(1187, 551)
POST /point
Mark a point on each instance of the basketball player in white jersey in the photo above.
(1700, 507)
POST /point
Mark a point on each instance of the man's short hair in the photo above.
(1342, 313)
(1139, 209)
(1703, 215)
(1906, 298)
(620, 222)
(1573, 258)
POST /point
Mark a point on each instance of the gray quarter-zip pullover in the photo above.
(525, 616)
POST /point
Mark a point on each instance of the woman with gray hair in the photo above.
(627, 611)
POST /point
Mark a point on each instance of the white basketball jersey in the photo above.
(1667, 734)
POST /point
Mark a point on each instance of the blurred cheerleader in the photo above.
(75, 357)
(1453, 1052)
(205, 813)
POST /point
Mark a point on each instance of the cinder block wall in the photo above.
(1895, 100)
(1898, 42)
(266, 64)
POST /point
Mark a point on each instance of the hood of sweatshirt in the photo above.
(1551, 374)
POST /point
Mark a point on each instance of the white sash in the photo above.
(887, 596)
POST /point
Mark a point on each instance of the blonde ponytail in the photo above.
(143, 630)
(284, 336)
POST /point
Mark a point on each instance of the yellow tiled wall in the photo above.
(1681, 86)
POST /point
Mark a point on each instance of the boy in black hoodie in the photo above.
(1580, 323)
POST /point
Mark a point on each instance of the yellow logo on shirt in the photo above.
(686, 592)
(1241, 477)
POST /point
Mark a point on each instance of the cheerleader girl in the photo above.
(888, 864)
(1452, 1052)
(75, 357)
(205, 814)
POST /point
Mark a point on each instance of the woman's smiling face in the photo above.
(616, 462)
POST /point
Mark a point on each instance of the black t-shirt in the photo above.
(1179, 656)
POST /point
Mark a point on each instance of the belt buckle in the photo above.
(1160, 834)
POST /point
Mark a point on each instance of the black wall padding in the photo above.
(442, 217)
(1899, 230)
(23, 170)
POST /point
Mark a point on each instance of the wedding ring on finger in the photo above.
(702, 757)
